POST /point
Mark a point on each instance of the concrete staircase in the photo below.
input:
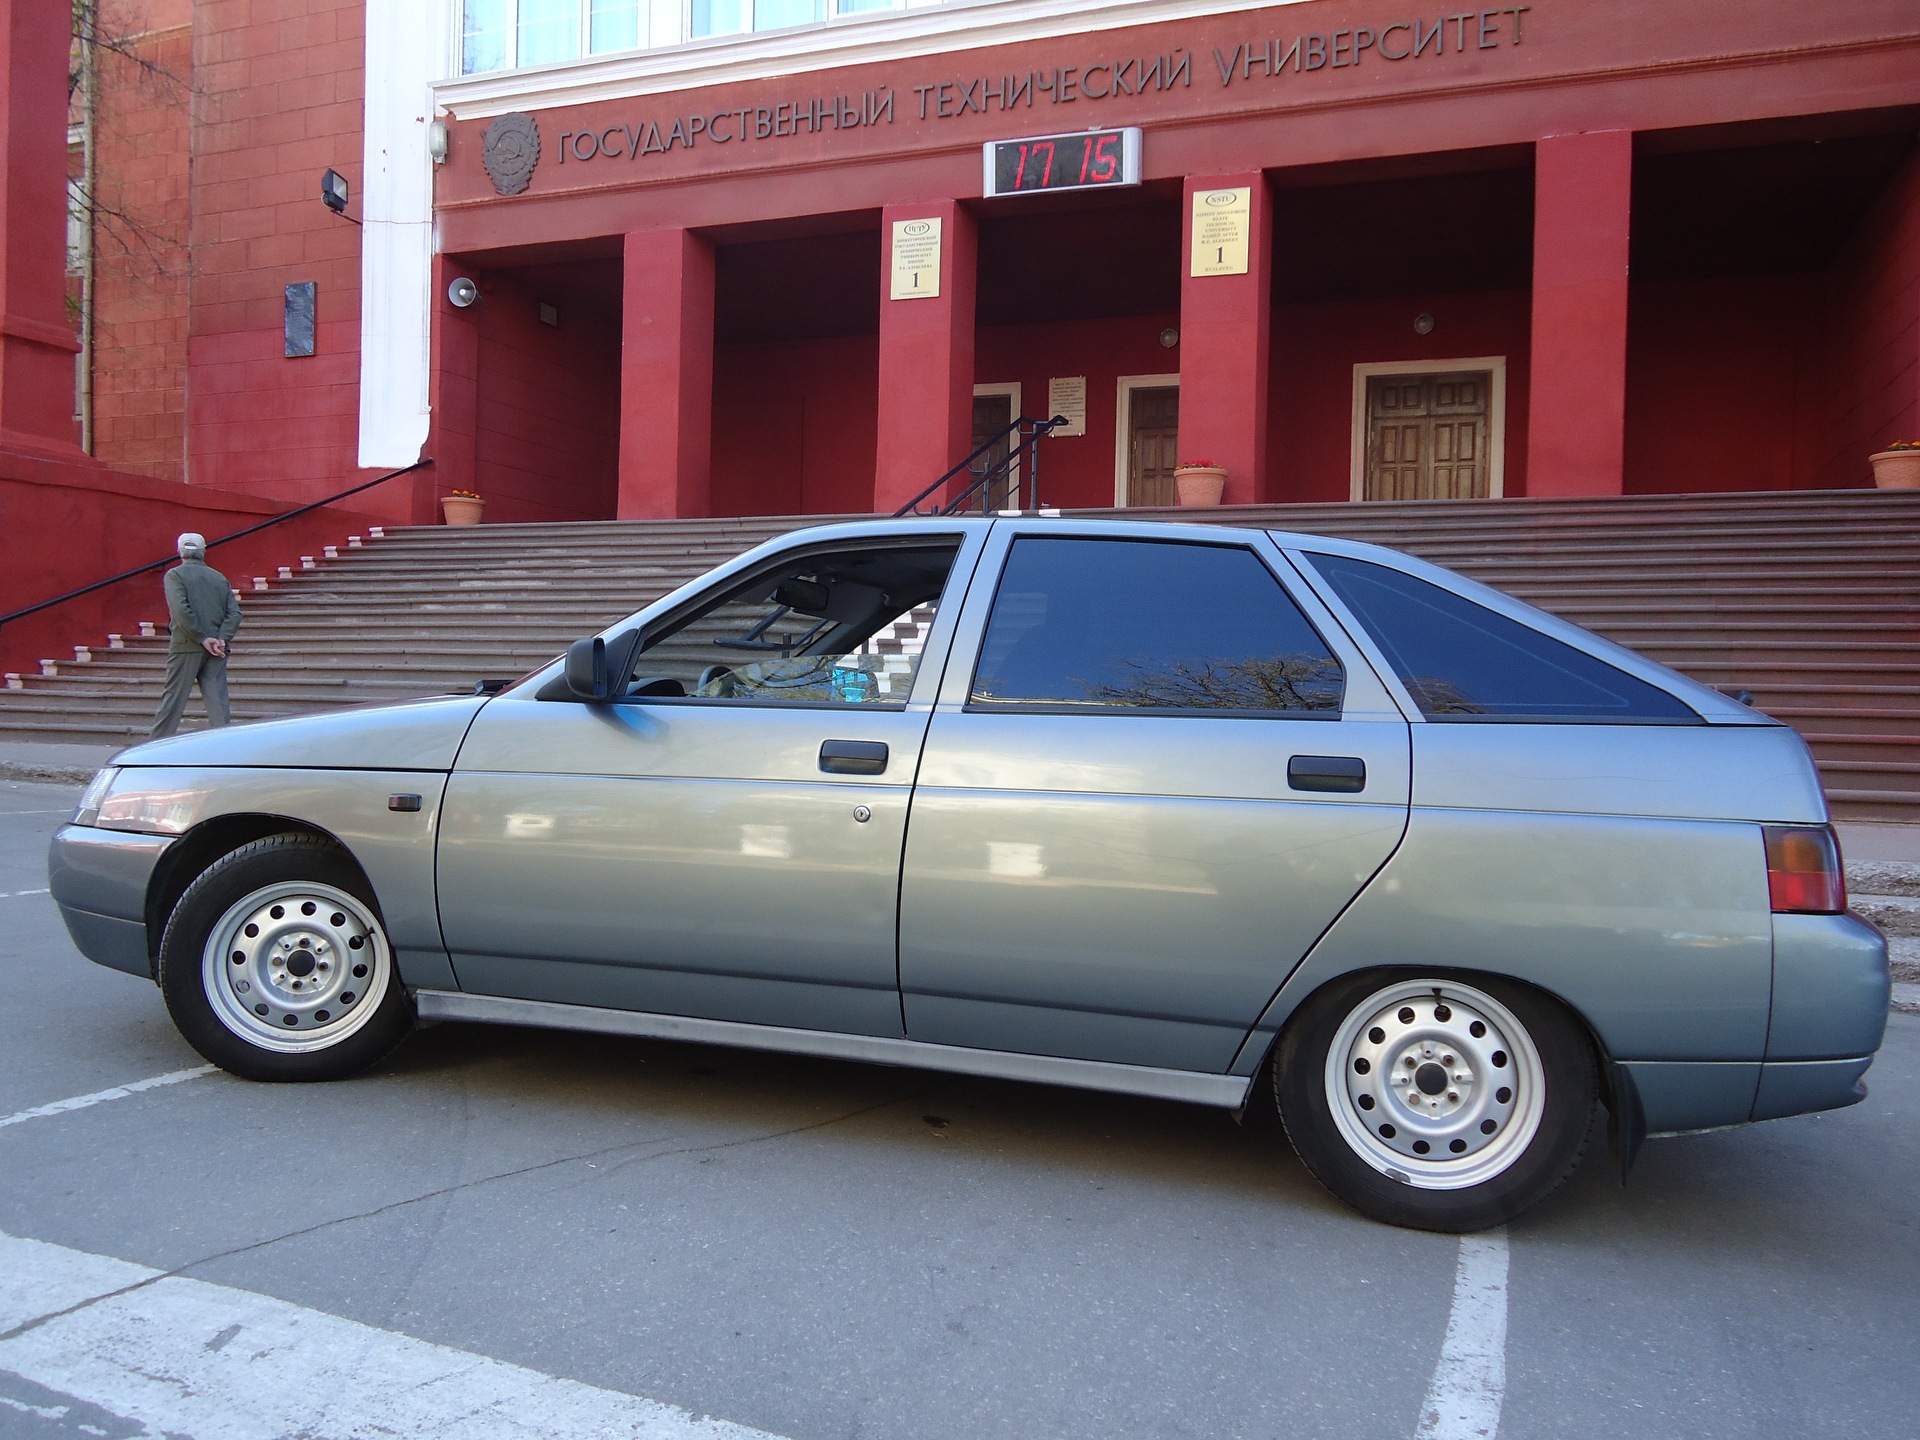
(1887, 892)
(1809, 600)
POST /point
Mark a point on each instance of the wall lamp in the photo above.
(333, 194)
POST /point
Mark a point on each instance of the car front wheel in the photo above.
(1434, 1103)
(275, 964)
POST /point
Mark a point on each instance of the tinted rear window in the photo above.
(1462, 661)
(1150, 625)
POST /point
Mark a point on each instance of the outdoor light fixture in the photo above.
(1423, 324)
(462, 293)
(437, 140)
(1169, 337)
(333, 192)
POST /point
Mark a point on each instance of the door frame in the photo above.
(1123, 427)
(1496, 413)
(1010, 389)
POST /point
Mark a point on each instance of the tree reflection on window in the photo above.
(1175, 627)
(1284, 682)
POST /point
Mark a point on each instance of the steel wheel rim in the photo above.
(1429, 1103)
(302, 979)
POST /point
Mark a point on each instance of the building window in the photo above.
(511, 34)
(549, 31)
(613, 25)
(486, 35)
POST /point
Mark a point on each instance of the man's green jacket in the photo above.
(200, 606)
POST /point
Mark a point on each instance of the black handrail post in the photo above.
(236, 535)
(1033, 475)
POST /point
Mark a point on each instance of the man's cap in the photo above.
(192, 540)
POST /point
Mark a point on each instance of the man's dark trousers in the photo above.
(185, 668)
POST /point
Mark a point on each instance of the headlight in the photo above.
(135, 800)
(96, 791)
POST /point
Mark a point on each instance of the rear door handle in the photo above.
(1342, 774)
(853, 757)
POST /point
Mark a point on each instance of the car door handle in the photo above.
(1343, 774)
(853, 757)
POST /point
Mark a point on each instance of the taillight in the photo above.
(1803, 870)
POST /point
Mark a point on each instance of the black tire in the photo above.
(327, 975)
(1520, 1107)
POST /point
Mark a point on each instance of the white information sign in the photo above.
(916, 259)
(1067, 395)
(1222, 228)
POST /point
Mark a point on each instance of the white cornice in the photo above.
(861, 40)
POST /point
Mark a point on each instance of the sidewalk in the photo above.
(64, 764)
(1864, 842)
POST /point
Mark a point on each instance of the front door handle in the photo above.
(853, 757)
(1341, 774)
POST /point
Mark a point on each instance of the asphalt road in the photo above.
(816, 1249)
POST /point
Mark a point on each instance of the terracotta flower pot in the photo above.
(1200, 484)
(1896, 469)
(462, 509)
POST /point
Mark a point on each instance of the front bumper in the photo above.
(99, 879)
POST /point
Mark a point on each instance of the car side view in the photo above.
(1162, 809)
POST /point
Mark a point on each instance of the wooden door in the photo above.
(991, 415)
(1427, 436)
(1153, 439)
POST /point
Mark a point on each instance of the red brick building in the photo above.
(1551, 249)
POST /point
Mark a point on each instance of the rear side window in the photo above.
(1462, 661)
(1155, 626)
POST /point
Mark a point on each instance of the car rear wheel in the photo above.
(275, 964)
(1434, 1103)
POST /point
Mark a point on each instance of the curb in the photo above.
(45, 774)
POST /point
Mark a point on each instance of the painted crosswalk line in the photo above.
(99, 1097)
(186, 1358)
(1469, 1383)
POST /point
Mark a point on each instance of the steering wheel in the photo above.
(710, 676)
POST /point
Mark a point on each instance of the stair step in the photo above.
(1811, 600)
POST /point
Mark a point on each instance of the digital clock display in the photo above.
(1083, 160)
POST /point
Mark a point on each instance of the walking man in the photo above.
(202, 614)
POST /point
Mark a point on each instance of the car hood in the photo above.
(409, 735)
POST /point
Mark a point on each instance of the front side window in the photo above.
(1150, 626)
(843, 628)
(1462, 661)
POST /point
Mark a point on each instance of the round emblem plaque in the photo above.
(511, 148)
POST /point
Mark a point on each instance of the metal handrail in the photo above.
(1033, 431)
(236, 535)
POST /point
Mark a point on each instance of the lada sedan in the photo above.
(1171, 810)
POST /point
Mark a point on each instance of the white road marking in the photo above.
(117, 1092)
(16, 894)
(1470, 1382)
(185, 1357)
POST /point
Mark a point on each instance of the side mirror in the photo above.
(597, 668)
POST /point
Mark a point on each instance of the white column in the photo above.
(407, 47)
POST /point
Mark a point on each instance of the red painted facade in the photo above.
(140, 134)
(1548, 157)
(1689, 234)
(279, 101)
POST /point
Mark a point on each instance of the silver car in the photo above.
(1171, 810)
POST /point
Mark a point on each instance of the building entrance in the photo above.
(994, 410)
(1153, 438)
(1427, 436)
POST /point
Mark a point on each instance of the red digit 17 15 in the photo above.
(1105, 164)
